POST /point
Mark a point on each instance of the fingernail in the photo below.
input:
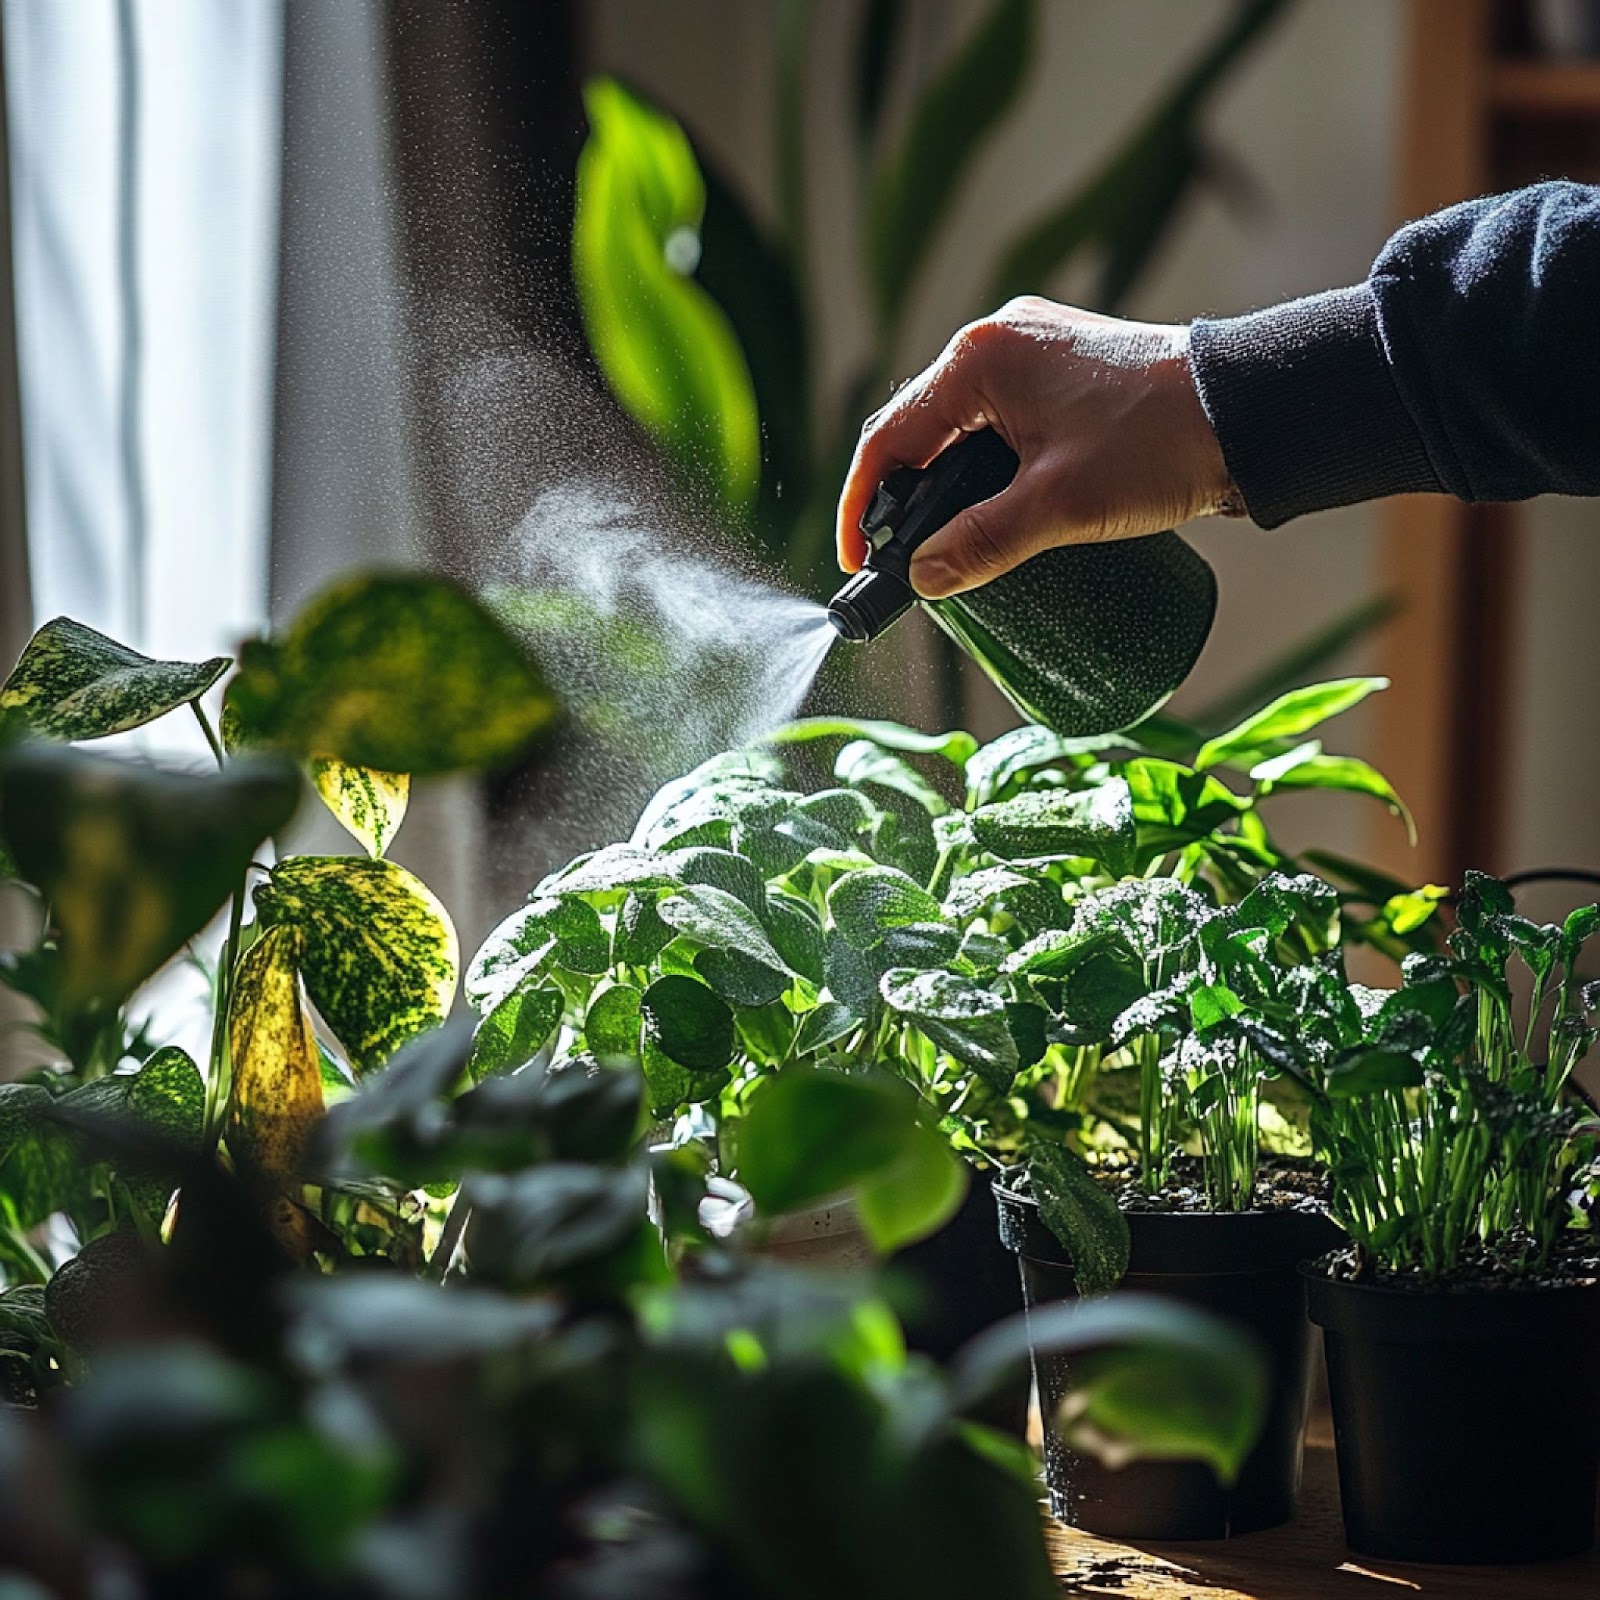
(931, 577)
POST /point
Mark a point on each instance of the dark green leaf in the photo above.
(133, 861)
(796, 936)
(864, 905)
(516, 1030)
(851, 978)
(379, 956)
(565, 932)
(688, 1023)
(665, 347)
(827, 1024)
(717, 920)
(611, 1027)
(1080, 1213)
(960, 1016)
(1021, 750)
(1098, 823)
(397, 672)
(864, 765)
(740, 980)
(73, 683)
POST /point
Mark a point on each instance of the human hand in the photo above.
(1103, 415)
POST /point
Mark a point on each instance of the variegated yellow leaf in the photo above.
(277, 1075)
(370, 805)
(380, 957)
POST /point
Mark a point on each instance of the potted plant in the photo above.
(1461, 1324)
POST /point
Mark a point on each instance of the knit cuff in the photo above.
(1305, 406)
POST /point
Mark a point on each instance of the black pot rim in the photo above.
(1183, 1243)
(1555, 1312)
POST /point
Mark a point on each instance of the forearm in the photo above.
(1468, 363)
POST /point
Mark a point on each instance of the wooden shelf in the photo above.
(1305, 1561)
(1546, 88)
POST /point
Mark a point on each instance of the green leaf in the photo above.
(955, 746)
(1373, 1069)
(1290, 716)
(1098, 823)
(276, 1099)
(516, 1029)
(379, 952)
(740, 980)
(808, 1135)
(863, 765)
(1080, 1213)
(133, 861)
(397, 672)
(73, 683)
(665, 347)
(826, 1024)
(566, 932)
(1306, 767)
(1174, 805)
(39, 1170)
(688, 1023)
(370, 805)
(714, 918)
(1022, 750)
(864, 905)
(611, 1026)
(960, 1016)
(719, 869)
(167, 1094)
(913, 192)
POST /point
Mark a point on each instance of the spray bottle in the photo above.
(1086, 639)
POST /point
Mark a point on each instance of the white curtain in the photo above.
(144, 149)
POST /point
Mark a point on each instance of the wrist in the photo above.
(1210, 485)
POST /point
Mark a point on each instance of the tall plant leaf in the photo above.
(914, 190)
(665, 347)
(394, 671)
(876, 41)
(133, 861)
(276, 1098)
(74, 683)
(1125, 209)
(377, 949)
(1290, 716)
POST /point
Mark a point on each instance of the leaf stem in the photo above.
(210, 733)
(449, 1238)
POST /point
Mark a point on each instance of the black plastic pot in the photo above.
(1239, 1265)
(1467, 1423)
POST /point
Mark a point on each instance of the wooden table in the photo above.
(1307, 1560)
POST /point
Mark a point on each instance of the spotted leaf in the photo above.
(277, 1075)
(397, 672)
(379, 955)
(73, 683)
(370, 805)
(133, 861)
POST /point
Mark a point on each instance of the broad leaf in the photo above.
(825, 1025)
(133, 861)
(915, 189)
(1022, 750)
(276, 1098)
(864, 905)
(397, 672)
(665, 347)
(565, 932)
(369, 805)
(378, 950)
(516, 1030)
(73, 683)
(688, 1023)
(1098, 823)
(1290, 716)
(1309, 768)
(611, 1026)
(1080, 1213)
(716, 919)
(862, 764)
(960, 1016)
(1174, 805)
(168, 1095)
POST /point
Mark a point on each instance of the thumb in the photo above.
(980, 543)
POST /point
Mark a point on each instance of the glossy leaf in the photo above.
(133, 861)
(1018, 751)
(1098, 823)
(397, 672)
(1290, 716)
(714, 918)
(378, 951)
(370, 805)
(567, 931)
(1080, 1213)
(516, 1030)
(665, 347)
(914, 190)
(1311, 769)
(824, 1025)
(865, 904)
(611, 1026)
(74, 683)
(688, 1023)
(960, 1016)
(864, 765)
(276, 1099)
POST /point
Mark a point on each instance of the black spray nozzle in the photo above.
(910, 505)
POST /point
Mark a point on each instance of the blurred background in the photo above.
(293, 289)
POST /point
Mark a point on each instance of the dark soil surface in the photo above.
(1282, 1184)
(1574, 1263)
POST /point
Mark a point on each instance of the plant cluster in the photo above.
(233, 1374)
(1012, 929)
(1444, 1110)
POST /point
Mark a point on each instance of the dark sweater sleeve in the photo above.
(1468, 363)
